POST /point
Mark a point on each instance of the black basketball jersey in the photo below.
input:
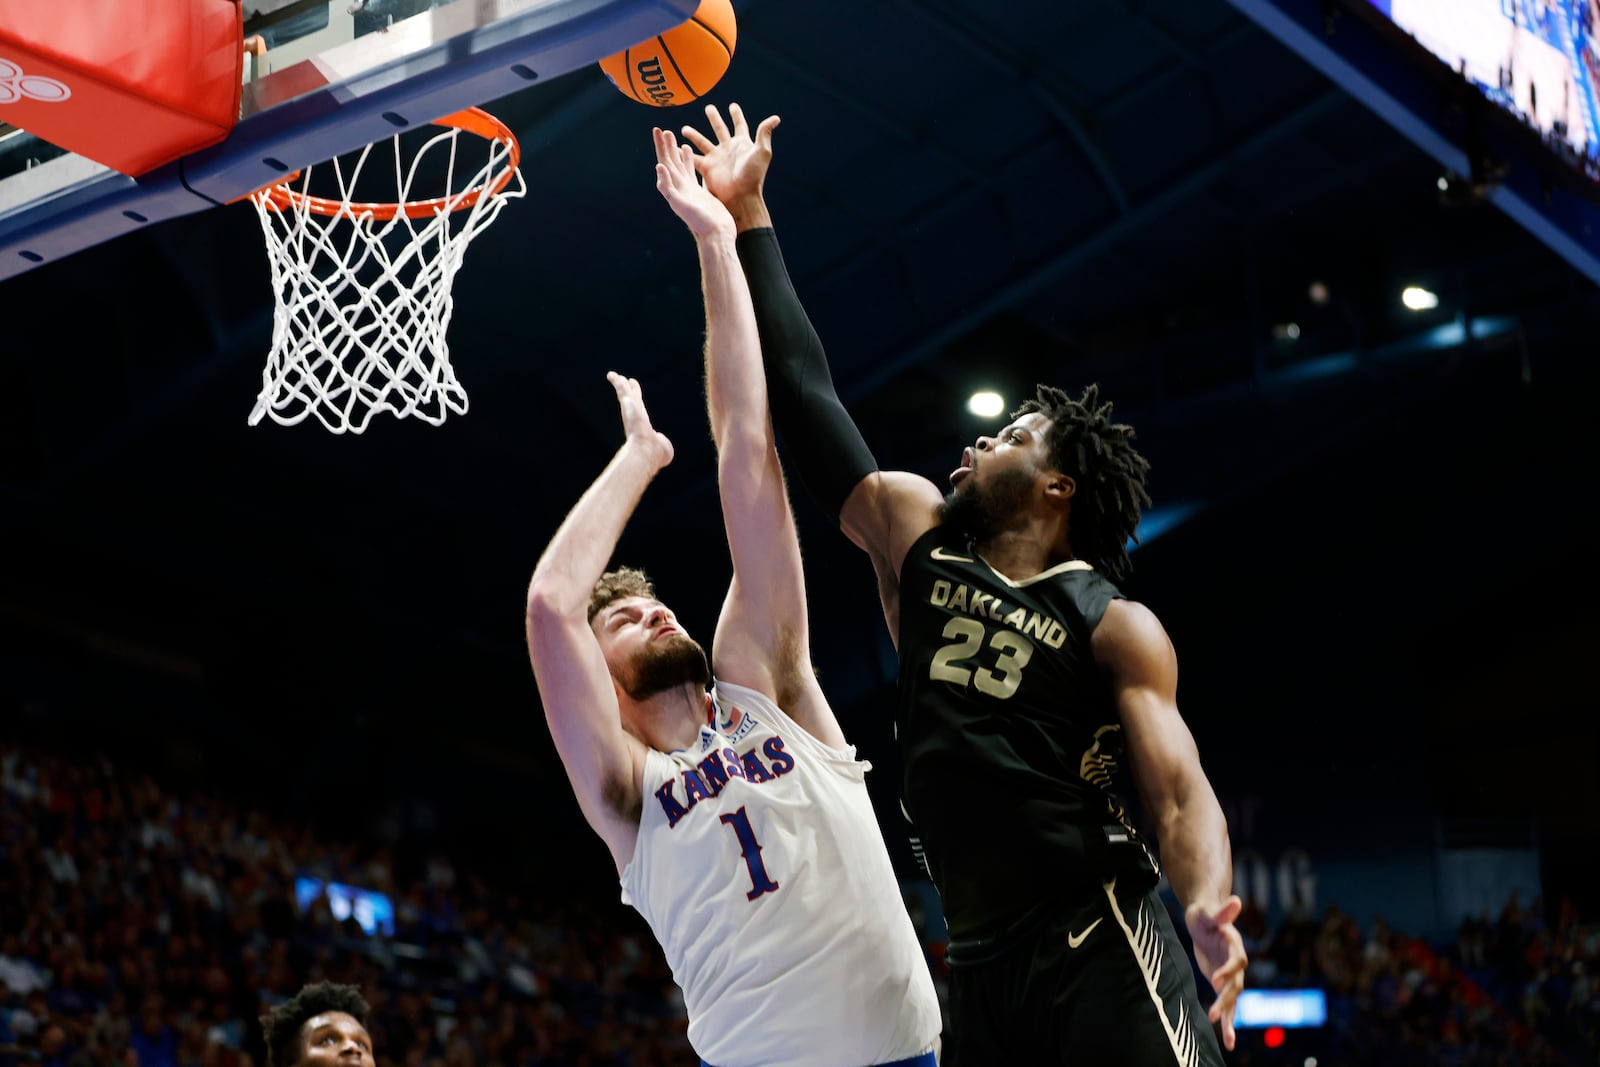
(1010, 738)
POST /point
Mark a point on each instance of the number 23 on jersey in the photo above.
(953, 662)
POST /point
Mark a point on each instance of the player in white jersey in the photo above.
(738, 819)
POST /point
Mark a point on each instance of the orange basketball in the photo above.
(680, 65)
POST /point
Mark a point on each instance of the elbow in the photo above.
(547, 601)
(745, 451)
(741, 436)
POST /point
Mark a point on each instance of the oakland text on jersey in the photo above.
(713, 773)
(955, 596)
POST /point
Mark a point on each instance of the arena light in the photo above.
(1419, 299)
(1280, 1009)
(372, 911)
(986, 404)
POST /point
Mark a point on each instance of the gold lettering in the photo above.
(1016, 618)
(958, 602)
(1055, 635)
(941, 593)
(1036, 625)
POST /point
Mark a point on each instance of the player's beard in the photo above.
(667, 665)
(982, 513)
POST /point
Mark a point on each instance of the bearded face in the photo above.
(666, 664)
(981, 511)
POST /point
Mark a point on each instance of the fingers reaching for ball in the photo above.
(680, 186)
(732, 163)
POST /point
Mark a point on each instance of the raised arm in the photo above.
(1132, 646)
(762, 634)
(883, 513)
(604, 763)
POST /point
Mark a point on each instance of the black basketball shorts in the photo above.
(1106, 985)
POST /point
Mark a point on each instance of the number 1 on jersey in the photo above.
(750, 848)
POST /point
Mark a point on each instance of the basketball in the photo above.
(680, 65)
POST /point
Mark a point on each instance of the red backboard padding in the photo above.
(132, 84)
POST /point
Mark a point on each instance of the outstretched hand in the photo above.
(636, 420)
(677, 182)
(1219, 950)
(734, 166)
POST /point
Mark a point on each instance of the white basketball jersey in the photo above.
(760, 867)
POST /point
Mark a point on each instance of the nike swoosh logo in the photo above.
(940, 553)
(1074, 940)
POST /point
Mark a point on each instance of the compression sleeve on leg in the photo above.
(824, 446)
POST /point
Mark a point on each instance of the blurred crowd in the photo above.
(1510, 990)
(139, 928)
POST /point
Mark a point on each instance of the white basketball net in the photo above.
(363, 302)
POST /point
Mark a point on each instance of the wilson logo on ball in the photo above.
(680, 65)
(654, 81)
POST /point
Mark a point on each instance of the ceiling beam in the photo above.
(1408, 96)
(1046, 90)
(1048, 273)
(799, 72)
(1192, 59)
(1239, 31)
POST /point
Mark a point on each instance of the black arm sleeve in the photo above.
(824, 445)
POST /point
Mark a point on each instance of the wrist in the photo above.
(749, 212)
(716, 234)
(650, 450)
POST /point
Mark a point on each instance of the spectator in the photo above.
(154, 1041)
(124, 967)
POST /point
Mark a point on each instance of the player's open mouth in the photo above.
(965, 468)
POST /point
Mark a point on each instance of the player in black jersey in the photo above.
(1025, 679)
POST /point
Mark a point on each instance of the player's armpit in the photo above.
(886, 512)
(767, 650)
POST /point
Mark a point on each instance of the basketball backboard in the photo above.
(321, 78)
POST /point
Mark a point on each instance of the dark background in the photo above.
(1379, 581)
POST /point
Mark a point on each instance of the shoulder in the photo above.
(1129, 620)
(900, 489)
(1089, 580)
(888, 510)
(1092, 593)
(1129, 637)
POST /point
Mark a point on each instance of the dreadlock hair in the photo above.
(617, 585)
(1099, 455)
(281, 1027)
